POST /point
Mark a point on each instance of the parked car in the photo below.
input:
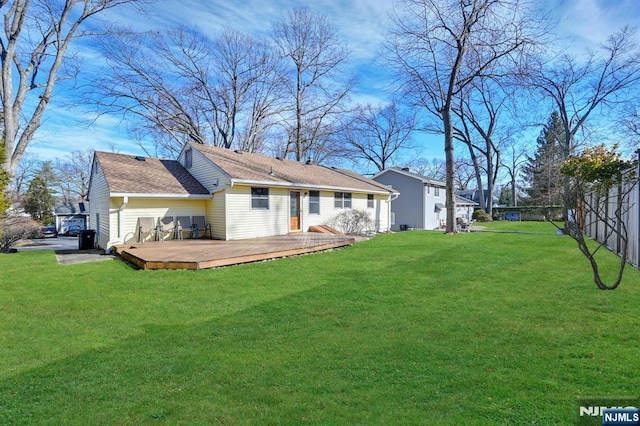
(48, 231)
(72, 231)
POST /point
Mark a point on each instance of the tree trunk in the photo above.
(450, 165)
(476, 169)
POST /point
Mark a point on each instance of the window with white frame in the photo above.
(314, 202)
(370, 201)
(342, 200)
(436, 191)
(260, 198)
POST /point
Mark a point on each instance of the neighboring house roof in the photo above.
(474, 194)
(129, 174)
(406, 172)
(71, 209)
(251, 168)
(461, 201)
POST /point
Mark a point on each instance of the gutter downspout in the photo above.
(226, 211)
(394, 196)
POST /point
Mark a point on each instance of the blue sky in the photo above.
(361, 24)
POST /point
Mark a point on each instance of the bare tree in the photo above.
(183, 87)
(438, 48)
(377, 135)
(317, 97)
(480, 125)
(73, 175)
(33, 48)
(23, 174)
(434, 168)
(630, 123)
(513, 160)
(580, 87)
(465, 173)
(248, 82)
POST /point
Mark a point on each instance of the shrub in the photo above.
(14, 229)
(352, 222)
(481, 216)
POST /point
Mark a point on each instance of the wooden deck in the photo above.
(203, 254)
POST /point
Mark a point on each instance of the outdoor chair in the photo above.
(463, 225)
(145, 225)
(200, 224)
(164, 227)
(183, 224)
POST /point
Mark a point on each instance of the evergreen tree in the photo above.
(506, 198)
(39, 202)
(542, 171)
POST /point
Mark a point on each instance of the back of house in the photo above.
(238, 194)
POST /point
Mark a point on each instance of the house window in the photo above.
(342, 200)
(188, 158)
(260, 198)
(314, 202)
(370, 201)
(436, 191)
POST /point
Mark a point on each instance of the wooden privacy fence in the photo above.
(599, 226)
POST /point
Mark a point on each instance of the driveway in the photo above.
(60, 243)
(66, 250)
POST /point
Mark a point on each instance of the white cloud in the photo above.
(592, 21)
(362, 24)
(71, 129)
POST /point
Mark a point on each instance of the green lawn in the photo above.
(407, 328)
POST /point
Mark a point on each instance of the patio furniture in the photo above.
(463, 224)
(183, 224)
(200, 224)
(145, 225)
(165, 224)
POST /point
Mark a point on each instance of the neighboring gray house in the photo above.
(422, 200)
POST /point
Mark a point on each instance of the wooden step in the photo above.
(324, 229)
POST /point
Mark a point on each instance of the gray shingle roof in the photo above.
(129, 174)
(256, 168)
(422, 178)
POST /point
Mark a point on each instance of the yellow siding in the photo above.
(206, 172)
(379, 214)
(157, 208)
(99, 216)
(245, 222)
(216, 214)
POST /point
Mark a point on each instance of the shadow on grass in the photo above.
(242, 368)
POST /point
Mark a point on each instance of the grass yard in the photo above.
(488, 328)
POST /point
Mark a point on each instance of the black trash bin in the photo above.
(86, 239)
